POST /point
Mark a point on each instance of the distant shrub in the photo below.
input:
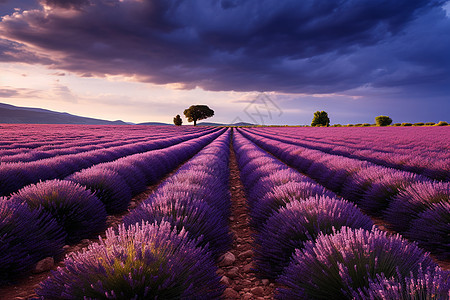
(300, 221)
(26, 236)
(441, 123)
(338, 264)
(107, 185)
(142, 262)
(397, 124)
(78, 211)
(350, 125)
(406, 124)
(419, 124)
(431, 229)
(366, 124)
(336, 125)
(383, 121)
(430, 123)
(432, 284)
(414, 199)
(358, 124)
(177, 120)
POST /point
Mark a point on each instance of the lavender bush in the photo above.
(200, 220)
(335, 265)
(26, 236)
(282, 195)
(416, 198)
(431, 229)
(107, 185)
(299, 222)
(145, 261)
(430, 284)
(77, 210)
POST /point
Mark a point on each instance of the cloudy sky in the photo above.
(260, 61)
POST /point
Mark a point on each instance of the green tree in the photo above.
(383, 121)
(177, 120)
(320, 119)
(198, 112)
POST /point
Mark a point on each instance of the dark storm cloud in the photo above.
(290, 46)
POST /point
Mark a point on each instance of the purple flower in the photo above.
(431, 229)
(280, 196)
(413, 200)
(26, 236)
(107, 185)
(145, 261)
(200, 220)
(77, 210)
(433, 284)
(335, 265)
(298, 222)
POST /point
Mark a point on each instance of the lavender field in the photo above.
(332, 213)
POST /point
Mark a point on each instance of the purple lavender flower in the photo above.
(77, 210)
(432, 284)
(298, 222)
(200, 220)
(335, 265)
(26, 236)
(107, 185)
(413, 200)
(131, 173)
(145, 261)
(380, 192)
(431, 229)
(282, 195)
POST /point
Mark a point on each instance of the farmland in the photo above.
(209, 212)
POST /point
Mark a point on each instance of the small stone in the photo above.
(66, 247)
(233, 272)
(265, 281)
(245, 254)
(85, 241)
(248, 268)
(44, 265)
(229, 293)
(247, 296)
(271, 285)
(225, 280)
(231, 218)
(227, 259)
(257, 291)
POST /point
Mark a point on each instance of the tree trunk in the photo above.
(195, 122)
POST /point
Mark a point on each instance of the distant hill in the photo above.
(153, 123)
(11, 114)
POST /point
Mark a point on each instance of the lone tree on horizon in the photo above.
(383, 121)
(177, 120)
(198, 112)
(320, 119)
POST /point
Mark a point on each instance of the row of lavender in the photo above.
(23, 144)
(166, 247)
(413, 205)
(38, 220)
(319, 246)
(429, 155)
(14, 176)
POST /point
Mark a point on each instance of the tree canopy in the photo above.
(320, 119)
(177, 120)
(198, 112)
(383, 121)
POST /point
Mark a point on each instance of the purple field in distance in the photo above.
(332, 180)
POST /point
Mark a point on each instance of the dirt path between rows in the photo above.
(239, 276)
